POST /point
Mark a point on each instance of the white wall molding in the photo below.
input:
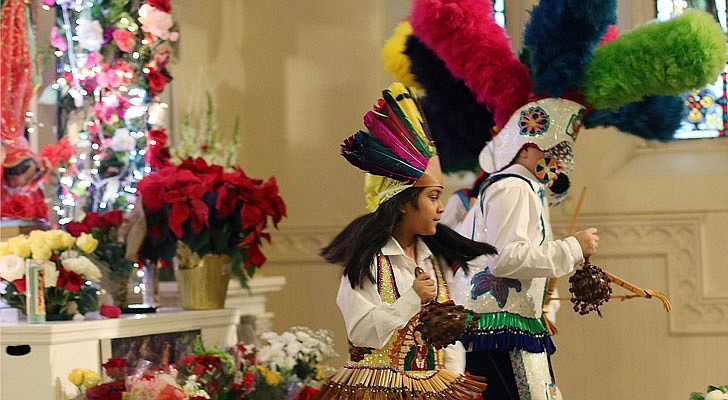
(677, 238)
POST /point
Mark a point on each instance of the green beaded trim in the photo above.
(503, 318)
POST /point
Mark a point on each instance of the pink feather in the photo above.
(610, 35)
(476, 50)
(393, 140)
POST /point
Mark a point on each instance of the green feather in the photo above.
(664, 58)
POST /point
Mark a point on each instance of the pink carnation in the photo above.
(124, 39)
(58, 40)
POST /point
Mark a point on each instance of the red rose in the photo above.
(110, 311)
(107, 391)
(69, 280)
(76, 228)
(93, 220)
(112, 218)
(20, 285)
(115, 367)
(159, 136)
(248, 379)
(157, 80)
(162, 5)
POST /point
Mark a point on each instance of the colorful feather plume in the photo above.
(459, 124)
(557, 59)
(654, 118)
(398, 144)
(393, 57)
(657, 58)
(476, 50)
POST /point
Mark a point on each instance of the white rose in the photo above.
(82, 266)
(90, 34)
(122, 141)
(155, 21)
(50, 274)
(12, 267)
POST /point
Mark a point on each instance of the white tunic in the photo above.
(370, 322)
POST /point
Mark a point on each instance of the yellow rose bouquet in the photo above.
(69, 275)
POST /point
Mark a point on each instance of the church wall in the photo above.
(300, 75)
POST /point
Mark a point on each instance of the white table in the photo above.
(56, 348)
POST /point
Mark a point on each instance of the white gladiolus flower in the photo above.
(12, 267)
(90, 34)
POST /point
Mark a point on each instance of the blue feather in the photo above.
(560, 38)
(653, 118)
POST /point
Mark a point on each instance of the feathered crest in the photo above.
(398, 144)
(629, 81)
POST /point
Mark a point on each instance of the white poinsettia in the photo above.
(155, 21)
(82, 266)
(12, 267)
(90, 34)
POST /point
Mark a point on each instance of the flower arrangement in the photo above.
(713, 393)
(233, 373)
(293, 361)
(68, 272)
(211, 210)
(110, 254)
(113, 58)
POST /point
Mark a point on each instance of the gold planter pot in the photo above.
(204, 285)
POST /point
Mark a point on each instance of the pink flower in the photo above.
(58, 40)
(124, 39)
(49, 3)
(155, 21)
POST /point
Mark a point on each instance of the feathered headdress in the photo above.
(397, 150)
(571, 52)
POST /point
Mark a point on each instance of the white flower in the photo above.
(12, 267)
(50, 274)
(82, 266)
(122, 141)
(90, 34)
(716, 395)
(155, 21)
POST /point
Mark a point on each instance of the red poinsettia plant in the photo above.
(212, 210)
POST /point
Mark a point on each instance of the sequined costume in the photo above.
(508, 289)
(403, 367)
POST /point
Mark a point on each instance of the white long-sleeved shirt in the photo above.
(370, 322)
(513, 216)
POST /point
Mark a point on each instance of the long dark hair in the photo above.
(356, 246)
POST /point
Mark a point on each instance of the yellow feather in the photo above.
(406, 102)
(395, 61)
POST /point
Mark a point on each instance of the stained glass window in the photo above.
(707, 107)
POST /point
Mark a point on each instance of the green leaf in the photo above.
(696, 396)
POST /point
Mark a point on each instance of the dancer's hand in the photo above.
(588, 240)
(424, 285)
